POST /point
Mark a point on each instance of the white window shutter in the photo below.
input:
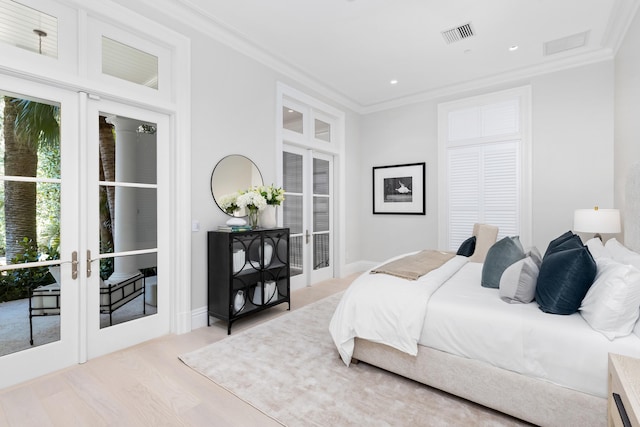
(501, 186)
(464, 167)
(483, 186)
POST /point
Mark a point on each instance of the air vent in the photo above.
(456, 34)
(566, 43)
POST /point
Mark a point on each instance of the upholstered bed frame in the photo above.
(544, 403)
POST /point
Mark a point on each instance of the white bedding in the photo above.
(468, 320)
(386, 309)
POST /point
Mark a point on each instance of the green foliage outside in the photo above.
(16, 284)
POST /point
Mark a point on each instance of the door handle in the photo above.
(74, 265)
(88, 263)
(307, 235)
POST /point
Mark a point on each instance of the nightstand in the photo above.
(624, 391)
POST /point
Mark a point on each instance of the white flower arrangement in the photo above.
(273, 195)
(251, 200)
(229, 202)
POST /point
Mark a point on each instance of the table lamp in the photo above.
(597, 221)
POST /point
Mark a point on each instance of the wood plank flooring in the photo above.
(145, 385)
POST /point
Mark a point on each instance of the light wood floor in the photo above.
(145, 385)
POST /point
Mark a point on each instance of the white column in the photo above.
(124, 223)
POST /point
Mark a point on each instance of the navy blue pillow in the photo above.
(468, 247)
(501, 255)
(558, 241)
(564, 279)
(572, 242)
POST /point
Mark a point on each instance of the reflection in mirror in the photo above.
(292, 120)
(234, 173)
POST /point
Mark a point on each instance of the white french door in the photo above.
(41, 322)
(308, 212)
(92, 279)
(127, 298)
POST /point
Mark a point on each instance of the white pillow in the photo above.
(622, 254)
(518, 281)
(612, 304)
(597, 249)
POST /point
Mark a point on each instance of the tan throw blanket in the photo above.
(411, 267)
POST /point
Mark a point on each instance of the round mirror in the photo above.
(234, 173)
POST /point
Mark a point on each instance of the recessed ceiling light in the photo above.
(513, 48)
(394, 82)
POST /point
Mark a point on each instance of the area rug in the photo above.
(289, 369)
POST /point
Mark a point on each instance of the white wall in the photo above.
(233, 106)
(627, 111)
(399, 136)
(572, 146)
(572, 115)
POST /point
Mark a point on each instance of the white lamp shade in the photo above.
(596, 221)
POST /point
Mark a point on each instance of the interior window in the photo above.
(128, 63)
(28, 28)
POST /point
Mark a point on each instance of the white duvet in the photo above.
(387, 309)
(461, 317)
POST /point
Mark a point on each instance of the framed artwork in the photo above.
(399, 189)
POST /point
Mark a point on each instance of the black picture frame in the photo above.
(399, 189)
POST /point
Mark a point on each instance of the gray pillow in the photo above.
(500, 256)
(518, 282)
(535, 255)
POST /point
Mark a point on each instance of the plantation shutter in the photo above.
(483, 170)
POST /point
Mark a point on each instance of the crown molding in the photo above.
(496, 79)
(190, 14)
(196, 17)
(620, 20)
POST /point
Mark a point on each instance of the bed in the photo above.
(447, 331)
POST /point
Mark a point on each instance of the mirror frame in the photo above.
(239, 183)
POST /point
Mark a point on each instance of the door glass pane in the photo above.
(292, 172)
(128, 288)
(320, 251)
(295, 255)
(28, 29)
(320, 176)
(29, 223)
(128, 63)
(293, 213)
(322, 130)
(292, 120)
(320, 214)
(128, 217)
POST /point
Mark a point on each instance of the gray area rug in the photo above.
(289, 369)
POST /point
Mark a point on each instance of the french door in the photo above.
(308, 212)
(127, 300)
(86, 276)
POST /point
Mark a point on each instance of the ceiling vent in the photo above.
(456, 34)
(566, 43)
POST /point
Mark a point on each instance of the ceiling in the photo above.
(355, 48)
